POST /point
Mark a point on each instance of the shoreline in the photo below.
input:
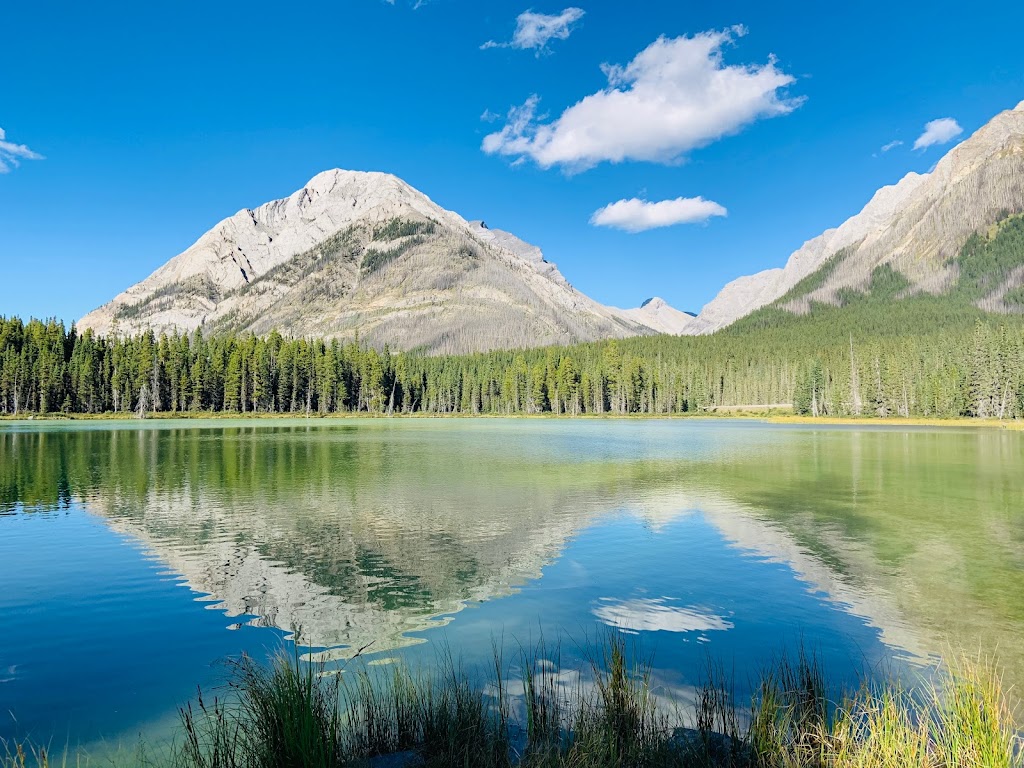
(770, 416)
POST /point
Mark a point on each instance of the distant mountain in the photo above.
(365, 253)
(657, 314)
(909, 239)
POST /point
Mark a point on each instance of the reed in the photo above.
(533, 714)
(286, 714)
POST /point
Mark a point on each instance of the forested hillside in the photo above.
(987, 273)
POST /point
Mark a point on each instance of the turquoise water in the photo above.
(135, 558)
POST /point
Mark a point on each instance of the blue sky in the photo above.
(153, 121)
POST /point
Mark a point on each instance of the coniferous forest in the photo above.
(875, 352)
(832, 362)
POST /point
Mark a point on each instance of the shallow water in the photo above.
(136, 557)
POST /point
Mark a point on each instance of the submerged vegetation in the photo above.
(531, 714)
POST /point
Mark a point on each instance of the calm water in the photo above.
(135, 558)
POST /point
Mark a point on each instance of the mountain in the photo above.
(910, 237)
(657, 314)
(365, 253)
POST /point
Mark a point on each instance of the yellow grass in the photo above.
(772, 414)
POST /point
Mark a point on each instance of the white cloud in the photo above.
(11, 154)
(674, 96)
(892, 145)
(536, 30)
(940, 131)
(638, 215)
(647, 615)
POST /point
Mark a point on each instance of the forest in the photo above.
(878, 351)
(834, 361)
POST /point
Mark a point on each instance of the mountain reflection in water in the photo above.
(371, 533)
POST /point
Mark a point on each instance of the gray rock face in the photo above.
(916, 225)
(365, 253)
(657, 314)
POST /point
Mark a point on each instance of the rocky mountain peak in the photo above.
(656, 313)
(365, 253)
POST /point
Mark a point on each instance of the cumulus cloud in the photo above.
(940, 131)
(637, 215)
(536, 30)
(892, 145)
(674, 96)
(12, 154)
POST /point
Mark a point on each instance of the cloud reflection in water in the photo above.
(656, 615)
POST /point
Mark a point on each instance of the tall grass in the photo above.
(16, 754)
(790, 718)
(607, 718)
(286, 714)
(973, 722)
(534, 714)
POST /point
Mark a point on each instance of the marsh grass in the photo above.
(19, 755)
(534, 714)
(972, 720)
(790, 714)
(16, 754)
(285, 714)
(291, 714)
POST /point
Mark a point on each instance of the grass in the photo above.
(283, 715)
(19, 755)
(897, 421)
(749, 412)
(293, 713)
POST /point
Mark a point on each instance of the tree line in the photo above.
(819, 364)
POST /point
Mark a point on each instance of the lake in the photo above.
(135, 557)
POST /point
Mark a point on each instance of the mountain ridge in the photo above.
(916, 226)
(313, 263)
(364, 253)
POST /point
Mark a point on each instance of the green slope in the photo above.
(888, 307)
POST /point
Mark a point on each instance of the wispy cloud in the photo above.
(536, 30)
(674, 96)
(892, 145)
(941, 131)
(12, 154)
(637, 215)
